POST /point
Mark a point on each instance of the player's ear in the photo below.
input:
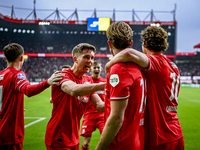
(5, 58)
(131, 42)
(21, 58)
(110, 44)
(75, 58)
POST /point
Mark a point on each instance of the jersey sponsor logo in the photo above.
(87, 83)
(21, 76)
(171, 108)
(84, 99)
(114, 80)
(1, 77)
(100, 92)
(102, 82)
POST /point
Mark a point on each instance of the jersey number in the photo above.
(1, 99)
(174, 90)
(143, 98)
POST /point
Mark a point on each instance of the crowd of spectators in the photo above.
(40, 68)
(189, 68)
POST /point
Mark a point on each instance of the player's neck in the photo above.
(15, 65)
(151, 52)
(115, 51)
(76, 72)
(96, 77)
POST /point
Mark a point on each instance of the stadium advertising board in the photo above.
(98, 24)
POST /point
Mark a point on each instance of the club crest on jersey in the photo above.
(114, 79)
(21, 76)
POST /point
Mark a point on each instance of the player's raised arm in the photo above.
(131, 55)
(55, 77)
(75, 90)
(31, 90)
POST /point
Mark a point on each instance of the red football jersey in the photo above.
(13, 86)
(63, 127)
(91, 112)
(163, 84)
(126, 81)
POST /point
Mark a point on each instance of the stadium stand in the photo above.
(60, 38)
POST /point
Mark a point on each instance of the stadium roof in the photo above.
(74, 15)
(197, 46)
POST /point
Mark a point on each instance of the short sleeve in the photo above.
(154, 64)
(119, 82)
(20, 80)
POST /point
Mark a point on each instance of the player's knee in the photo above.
(86, 143)
(85, 146)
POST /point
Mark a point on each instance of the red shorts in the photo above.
(76, 147)
(175, 145)
(90, 125)
(18, 146)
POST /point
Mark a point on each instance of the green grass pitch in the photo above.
(38, 112)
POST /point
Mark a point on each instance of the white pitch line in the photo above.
(39, 119)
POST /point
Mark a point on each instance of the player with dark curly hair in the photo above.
(163, 130)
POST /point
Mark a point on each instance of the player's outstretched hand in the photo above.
(55, 77)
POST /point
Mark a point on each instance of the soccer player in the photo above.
(125, 97)
(13, 86)
(92, 118)
(70, 99)
(163, 85)
(64, 67)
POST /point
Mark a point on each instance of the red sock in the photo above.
(85, 148)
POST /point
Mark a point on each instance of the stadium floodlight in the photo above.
(1, 29)
(19, 30)
(32, 31)
(169, 34)
(44, 23)
(6, 29)
(155, 24)
(23, 31)
(28, 31)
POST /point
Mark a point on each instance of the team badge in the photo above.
(21, 76)
(114, 79)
